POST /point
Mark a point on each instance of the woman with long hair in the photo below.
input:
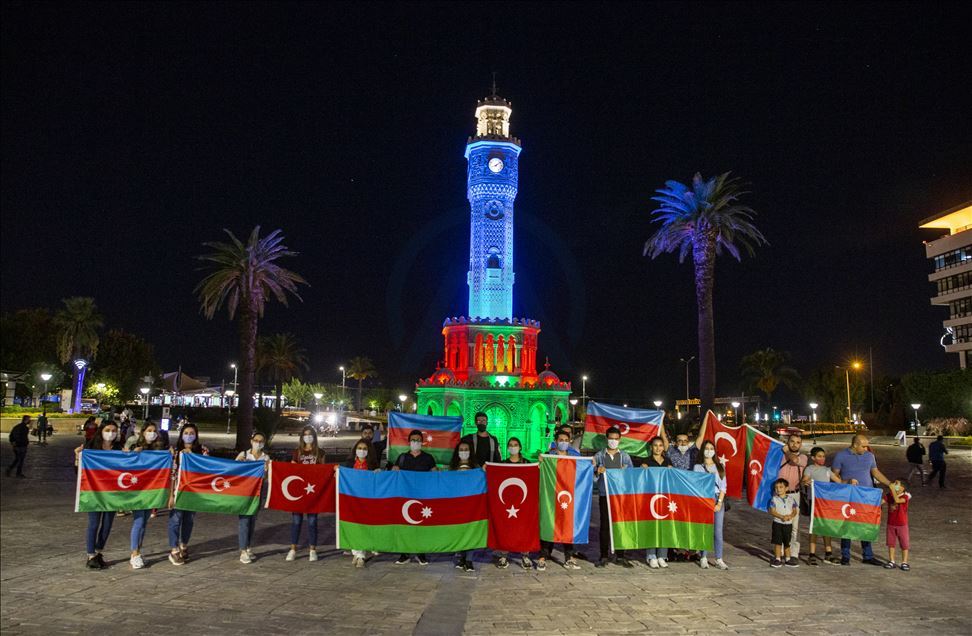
(706, 463)
(463, 458)
(99, 523)
(148, 438)
(248, 522)
(363, 457)
(307, 452)
(181, 521)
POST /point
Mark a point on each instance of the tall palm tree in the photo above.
(361, 368)
(77, 325)
(704, 219)
(766, 369)
(244, 277)
(282, 360)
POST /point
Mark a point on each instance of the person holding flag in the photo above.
(418, 460)
(514, 455)
(248, 522)
(706, 463)
(365, 457)
(99, 523)
(147, 439)
(562, 440)
(683, 453)
(609, 458)
(856, 465)
(180, 521)
(308, 451)
(794, 463)
(464, 459)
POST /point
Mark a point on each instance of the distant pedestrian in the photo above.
(916, 457)
(42, 429)
(20, 439)
(937, 453)
(89, 427)
(897, 499)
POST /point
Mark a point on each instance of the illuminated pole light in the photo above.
(916, 406)
(657, 404)
(82, 366)
(402, 399)
(573, 409)
(145, 391)
(584, 392)
(735, 407)
(813, 420)
(344, 376)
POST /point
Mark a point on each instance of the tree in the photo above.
(27, 336)
(282, 359)
(703, 219)
(297, 393)
(77, 327)
(827, 386)
(125, 359)
(361, 368)
(941, 394)
(766, 369)
(244, 277)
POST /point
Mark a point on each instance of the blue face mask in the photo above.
(562, 446)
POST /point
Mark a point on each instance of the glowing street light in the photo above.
(854, 365)
(145, 391)
(573, 409)
(657, 404)
(916, 406)
(584, 392)
(813, 420)
(344, 376)
(402, 399)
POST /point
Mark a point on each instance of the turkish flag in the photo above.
(301, 488)
(513, 505)
(730, 443)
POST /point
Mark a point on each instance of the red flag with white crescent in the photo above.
(301, 488)
(513, 503)
(730, 443)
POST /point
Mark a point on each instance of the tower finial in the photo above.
(494, 83)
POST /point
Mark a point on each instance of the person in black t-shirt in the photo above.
(417, 460)
(485, 446)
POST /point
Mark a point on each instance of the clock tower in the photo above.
(493, 157)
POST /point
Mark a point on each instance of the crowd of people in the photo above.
(791, 495)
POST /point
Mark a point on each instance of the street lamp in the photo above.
(229, 407)
(687, 397)
(657, 404)
(145, 391)
(573, 409)
(916, 406)
(854, 365)
(46, 377)
(813, 421)
(402, 398)
(735, 409)
(584, 393)
(344, 376)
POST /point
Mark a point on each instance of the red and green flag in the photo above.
(845, 511)
(566, 482)
(637, 427)
(730, 445)
(440, 434)
(764, 456)
(660, 508)
(411, 512)
(213, 484)
(109, 481)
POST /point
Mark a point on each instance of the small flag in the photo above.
(109, 481)
(411, 512)
(213, 484)
(301, 488)
(764, 456)
(845, 511)
(440, 434)
(566, 483)
(660, 508)
(513, 499)
(730, 444)
(637, 426)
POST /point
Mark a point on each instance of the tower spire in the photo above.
(494, 84)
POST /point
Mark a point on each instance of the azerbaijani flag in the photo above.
(213, 484)
(637, 426)
(660, 508)
(764, 456)
(109, 481)
(845, 511)
(440, 434)
(566, 482)
(411, 512)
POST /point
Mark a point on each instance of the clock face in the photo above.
(495, 164)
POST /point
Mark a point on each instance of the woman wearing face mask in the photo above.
(248, 522)
(657, 557)
(463, 459)
(706, 463)
(307, 452)
(561, 447)
(99, 523)
(513, 456)
(180, 521)
(147, 439)
(364, 457)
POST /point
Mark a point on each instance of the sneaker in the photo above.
(890, 565)
(467, 566)
(101, 561)
(792, 562)
(526, 563)
(812, 560)
(571, 564)
(245, 557)
(502, 563)
(704, 563)
(249, 553)
(872, 561)
(830, 559)
(92, 564)
(776, 563)
(358, 562)
(662, 563)
(175, 558)
(312, 556)
(136, 562)
(291, 555)
(653, 563)
(402, 560)
(541, 565)
(458, 563)
(844, 561)
(423, 560)
(905, 567)
(184, 553)
(719, 563)
(602, 562)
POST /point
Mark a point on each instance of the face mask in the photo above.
(150, 436)
(361, 453)
(613, 443)
(189, 438)
(109, 436)
(463, 455)
(819, 460)
(481, 428)
(308, 439)
(257, 445)
(683, 447)
(562, 446)
(709, 453)
(513, 450)
(415, 446)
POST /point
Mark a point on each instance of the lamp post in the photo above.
(854, 365)
(813, 421)
(916, 406)
(573, 409)
(402, 398)
(687, 396)
(584, 393)
(46, 377)
(344, 375)
(229, 407)
(145, 392)
(735, 409)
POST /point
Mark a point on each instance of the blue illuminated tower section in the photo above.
(493, 157)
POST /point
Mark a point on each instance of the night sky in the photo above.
(133, 133)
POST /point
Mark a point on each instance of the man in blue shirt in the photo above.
(610, 458)
(856, 465)
(936, 454)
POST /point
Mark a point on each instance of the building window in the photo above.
(954, 258)
(955, 283)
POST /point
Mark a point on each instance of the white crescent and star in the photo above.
(519, 483)
(846, 511)
(624, 428)
(121, 480)
(286, 482)
(651, 506)
(564, 504)
(757, 469)
(426, 512)
(214, 484)
(731, 440)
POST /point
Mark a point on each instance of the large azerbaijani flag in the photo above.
(109, 481)
(660, 508)
(213, 484)
(764, 456)
(566, 483)
(845, 511)
(637, 426)
(440, 434)
(411, 512)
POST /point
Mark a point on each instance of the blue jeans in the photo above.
(247, 526)
(99, 527)
(180, 527)
(657, 553)
(296, 521)
(717, 534)
(139, 521)
(845, 545)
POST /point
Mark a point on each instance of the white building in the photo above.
(951, 255)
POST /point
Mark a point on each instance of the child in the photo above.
(818, 471)
(897, 499)
(783, 508)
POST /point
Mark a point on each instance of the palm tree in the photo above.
(244, 277)
(77, 327)
(704, 218)
(361, 368)
(766, 369)
(282, 359)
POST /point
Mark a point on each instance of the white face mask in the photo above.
(415, 446)
(513, 450)
(709, 453)
(562, 446)
(150, 436)
(463, 455)
(683, 447)
(361, 453)
(613, 443)
(308, 439)
(189, 438)
(109, 436)
(257, 445)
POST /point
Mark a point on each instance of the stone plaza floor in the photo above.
(45, 588)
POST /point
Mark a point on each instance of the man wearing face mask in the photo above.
(418, 460)
(485, 446)
(610, 458)
(368, 433)
(563, 447)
